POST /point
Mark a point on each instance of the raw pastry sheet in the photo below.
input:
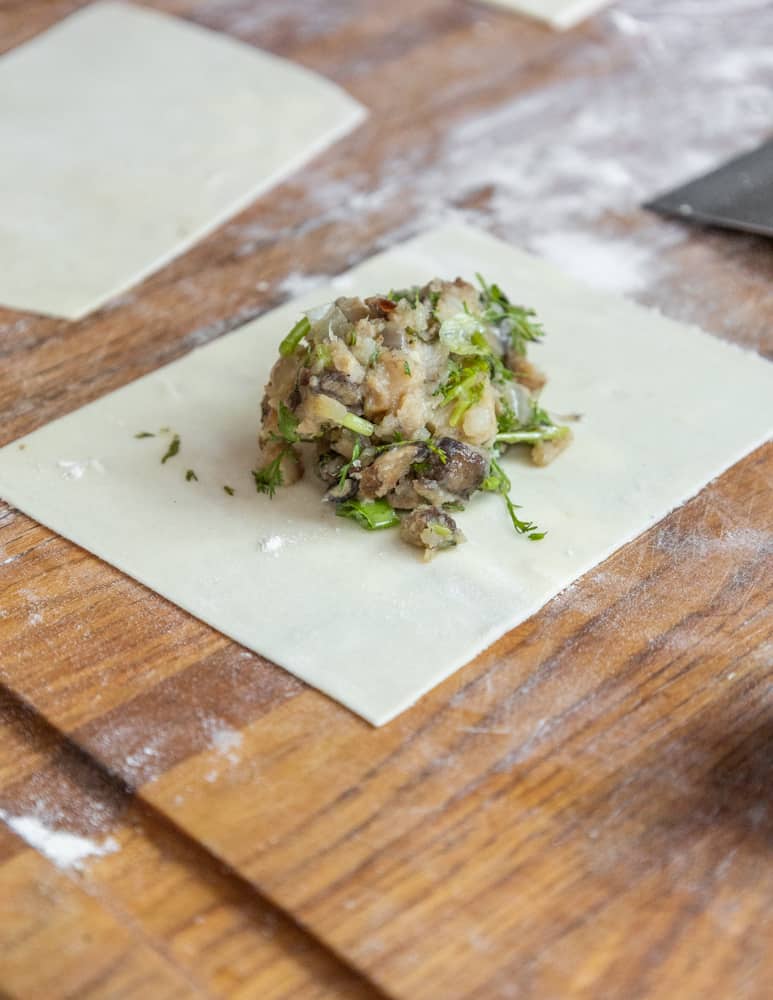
(558, 13)
(126, 135)
(359, 615)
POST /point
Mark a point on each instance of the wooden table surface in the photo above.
(584, 811)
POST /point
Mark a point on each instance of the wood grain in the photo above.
(585, 810)
(154, 916)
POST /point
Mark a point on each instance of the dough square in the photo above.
(358, 614)
(127, 135)
(558, 13)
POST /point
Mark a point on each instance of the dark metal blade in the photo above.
(738, 195)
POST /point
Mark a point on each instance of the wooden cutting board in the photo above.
(585, 810)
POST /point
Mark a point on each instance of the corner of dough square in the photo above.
(560, 14)
(127, 135)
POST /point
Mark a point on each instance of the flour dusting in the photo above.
(271, 544)
(64, 849)
(607, 264)
(223, 738)
(297, 284)
(557, 168)
(78, 469)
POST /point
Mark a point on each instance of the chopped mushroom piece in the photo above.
(430, 528)
(411, 398)
(386, 471)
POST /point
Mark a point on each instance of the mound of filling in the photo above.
(404, 403)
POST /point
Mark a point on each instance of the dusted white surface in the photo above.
(666, 408)
(126, 135)
(558, 13)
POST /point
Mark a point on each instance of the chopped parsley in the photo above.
(353, 461)
(515, 322)
(287, 423)
(464, 387)
(320, 354)
(144, 434)
(436, 450)
(190, 475)
(229, 490)
(269, 478)
(498, 481)
(399, 442)
(173, 449)
(407, 368)
(412, 294)
(540, 427)
(373, 515)
(507, 419)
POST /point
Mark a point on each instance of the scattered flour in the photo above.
(556, 167)
(65, 850)
(223, 738)
(271, 544)
(608, 264)
(140, 758)
(296, 283)
(226, 739)
(78, 469)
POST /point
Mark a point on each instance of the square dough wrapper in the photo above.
(356, 614)
(558, 13)
(127, 135)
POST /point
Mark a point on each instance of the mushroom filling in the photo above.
(409, 399)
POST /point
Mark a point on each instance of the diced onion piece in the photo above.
(457, 333)
(326, 408)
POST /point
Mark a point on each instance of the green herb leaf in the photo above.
(173, 449)
(464, 334)
(507, 419)
(411, 294)
(229, 490)
(463, 387)
(190, 475)
(319, 354)
(269, 477)
(144, 434)
(373, 515)
(290, 343)
(540, 427)
(436, 450)
(356, 451)
(407, 368)
(515, 322)
(498, 481)
(287, 423)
